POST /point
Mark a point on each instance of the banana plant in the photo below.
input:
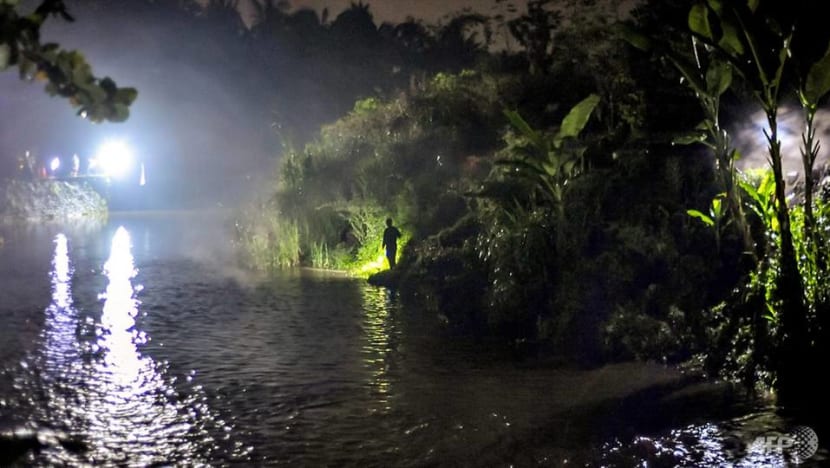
(811, 90)
(762, 197)
(715, 218)
(549, 160)
(758, 45)
(708, 77)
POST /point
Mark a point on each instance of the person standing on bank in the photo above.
(390, 242)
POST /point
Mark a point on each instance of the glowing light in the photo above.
(55, 164)
(114, 158)
(374, 266)
(380, 263)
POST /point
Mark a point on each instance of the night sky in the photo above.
(398, 10)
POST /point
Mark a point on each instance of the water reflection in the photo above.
(63, 369)
(381, 342)
(737, 442)
(95, 397)
(130, 405)
(312, 371)
(61, 344)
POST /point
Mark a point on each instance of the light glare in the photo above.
(114, 158)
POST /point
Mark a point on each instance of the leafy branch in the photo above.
(66, 72)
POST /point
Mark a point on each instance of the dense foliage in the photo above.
(574, 236)
(584, 202)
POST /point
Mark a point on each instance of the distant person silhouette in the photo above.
(390, 241)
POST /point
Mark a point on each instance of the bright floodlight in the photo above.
(114, 158)
(55, 164)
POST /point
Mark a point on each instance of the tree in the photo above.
(535, 32)
(66, 72)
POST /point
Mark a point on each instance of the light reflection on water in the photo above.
(97, 398)
(736, 442)
(380, 343)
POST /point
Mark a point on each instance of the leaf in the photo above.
(524, 128)
(718, 77)
(689, 139)
(691, 75)
(575, 121)
(750, 190)
(550, 169)
(783, 55)
(758, 205)
(120, 114)
(752, 5)
(717, 207)
(635, 37)
(108, 85)
(697, 214)
(771, 315)
(93, 92)
(699, 21)
(126, 95)
(766, 188)
(521, 167)
(730, 41)
(716, 6)
(818, 79)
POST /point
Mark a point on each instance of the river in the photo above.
(138, 342)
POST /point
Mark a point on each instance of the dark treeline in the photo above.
(303, 67)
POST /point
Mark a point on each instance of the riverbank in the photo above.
(49, 200)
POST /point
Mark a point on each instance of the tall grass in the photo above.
(268, 241)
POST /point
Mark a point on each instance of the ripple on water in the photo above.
(746, 441)
(166, 357)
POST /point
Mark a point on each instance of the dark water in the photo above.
(138, 342)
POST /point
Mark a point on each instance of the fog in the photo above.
(748, 135)
(203, 136)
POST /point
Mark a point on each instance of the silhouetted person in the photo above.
(390, 241)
